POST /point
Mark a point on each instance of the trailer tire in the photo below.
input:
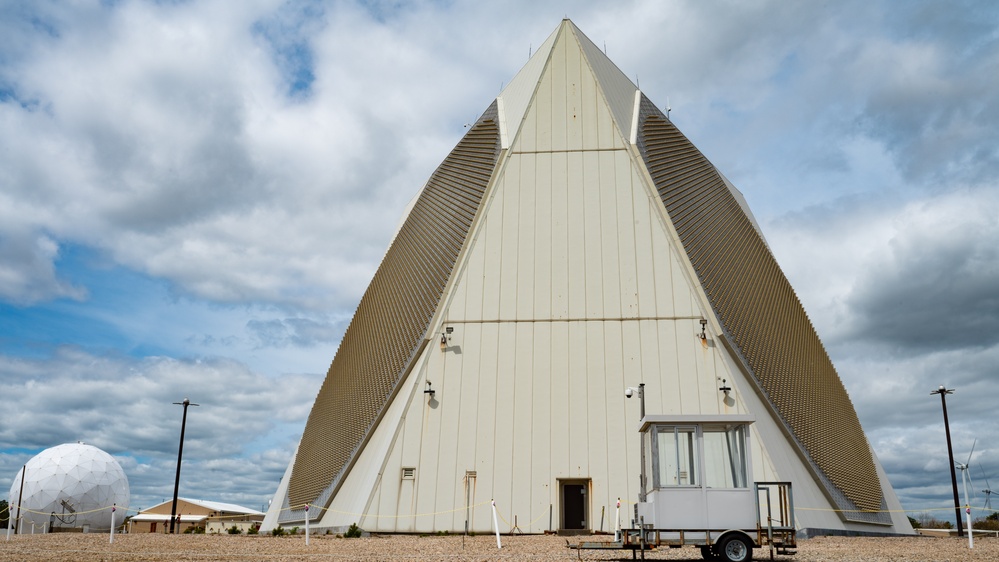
(708, 553)
(735, 548)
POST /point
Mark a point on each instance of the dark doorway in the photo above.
(575, 505)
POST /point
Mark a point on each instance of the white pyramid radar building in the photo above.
(573, 243)
(73, 485)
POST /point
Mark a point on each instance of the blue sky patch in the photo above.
(288, 33)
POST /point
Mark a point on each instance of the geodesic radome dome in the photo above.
(70, 485)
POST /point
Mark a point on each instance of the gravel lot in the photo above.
(149, 547)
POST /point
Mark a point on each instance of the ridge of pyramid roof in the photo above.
(618, 90)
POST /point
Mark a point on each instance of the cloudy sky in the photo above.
(194, 195)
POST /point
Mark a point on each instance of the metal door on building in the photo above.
(575, 504)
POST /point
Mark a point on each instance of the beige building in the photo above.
(214, 517)
(574, 243)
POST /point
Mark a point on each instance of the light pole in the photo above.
(943, 392)
(180, 457)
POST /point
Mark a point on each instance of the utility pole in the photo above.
(943, 392)
(180, 457)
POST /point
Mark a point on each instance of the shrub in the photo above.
(927, 521)
(253, 530)
(235, 530)
(353, 531)
(278, 531)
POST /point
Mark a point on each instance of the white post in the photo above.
(10, 522)
(306, 524)
(496, 526)
(617, 522)
(971, 541)
(111, 541)
(967, 504)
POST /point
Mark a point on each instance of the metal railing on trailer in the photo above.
(781, 533)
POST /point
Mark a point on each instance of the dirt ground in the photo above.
(155, 547)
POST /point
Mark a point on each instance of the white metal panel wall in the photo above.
(618, 90)
(517, 95)
(523, 404)
(525, 397)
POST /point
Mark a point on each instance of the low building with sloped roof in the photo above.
(214, 517)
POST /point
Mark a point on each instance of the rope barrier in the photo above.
(379, 516)
(507, 523)
(27, 511)
(503, 519)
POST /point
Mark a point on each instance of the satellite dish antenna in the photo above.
(987, 491)
(68, 515)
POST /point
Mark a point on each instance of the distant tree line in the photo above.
(927, 521)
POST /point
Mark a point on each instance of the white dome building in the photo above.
(71, 485)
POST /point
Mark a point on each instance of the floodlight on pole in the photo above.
(943, 392)
(180, 457)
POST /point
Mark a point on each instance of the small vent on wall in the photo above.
(408, 473)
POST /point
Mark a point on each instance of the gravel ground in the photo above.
(150, 547)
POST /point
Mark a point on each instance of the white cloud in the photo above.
(27, 271)
(935, 284)
(905, 296)
(921, 274)
(185, 152)
(125, 407)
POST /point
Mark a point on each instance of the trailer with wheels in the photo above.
(697, 490)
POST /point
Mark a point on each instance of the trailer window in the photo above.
(677, 456)
(725, 457)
